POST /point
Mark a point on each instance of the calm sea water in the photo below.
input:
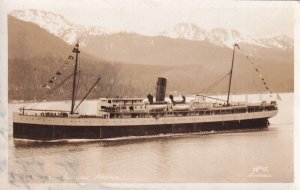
(241, 156)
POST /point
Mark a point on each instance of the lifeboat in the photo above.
(181, 107)
(156, 107)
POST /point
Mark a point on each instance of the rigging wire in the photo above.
(258, 73)
(211, 98)
(51, 81)
(87, 93)
(61, 83)
(254, 67)
(88, 75)
(52, 90)
(212, 86)
(221, 79)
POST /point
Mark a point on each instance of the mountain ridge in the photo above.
(35, 54)
(225, 37)
(58, 25)
(70, 33)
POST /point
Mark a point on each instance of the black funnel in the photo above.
(161, 89)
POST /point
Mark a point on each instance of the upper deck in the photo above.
(109, 108)
(120, 101)
(137, 108)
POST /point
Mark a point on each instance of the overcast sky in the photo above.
(150, 17)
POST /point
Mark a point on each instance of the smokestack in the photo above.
(161, 89)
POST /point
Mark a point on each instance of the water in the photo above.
(251, 156)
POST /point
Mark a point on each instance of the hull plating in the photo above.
(55, 132)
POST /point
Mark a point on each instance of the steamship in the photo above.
(123, 117)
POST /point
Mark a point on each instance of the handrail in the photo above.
(30, 109)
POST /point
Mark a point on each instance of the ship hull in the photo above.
(55, 132)
(55, 128)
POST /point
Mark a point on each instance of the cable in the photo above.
(53, 78)
(53, 90)
(258, 73)
(207, 89)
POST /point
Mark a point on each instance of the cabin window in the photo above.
(131, 108)
(109, 101)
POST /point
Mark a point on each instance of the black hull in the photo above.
(56, 132)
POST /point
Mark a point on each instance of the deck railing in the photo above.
(158, 113)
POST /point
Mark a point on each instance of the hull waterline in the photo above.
(56, 132)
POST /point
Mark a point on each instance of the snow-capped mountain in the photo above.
(225, 37)
(281, 41)
(70, 32)
(187, 31)
(57, 25)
